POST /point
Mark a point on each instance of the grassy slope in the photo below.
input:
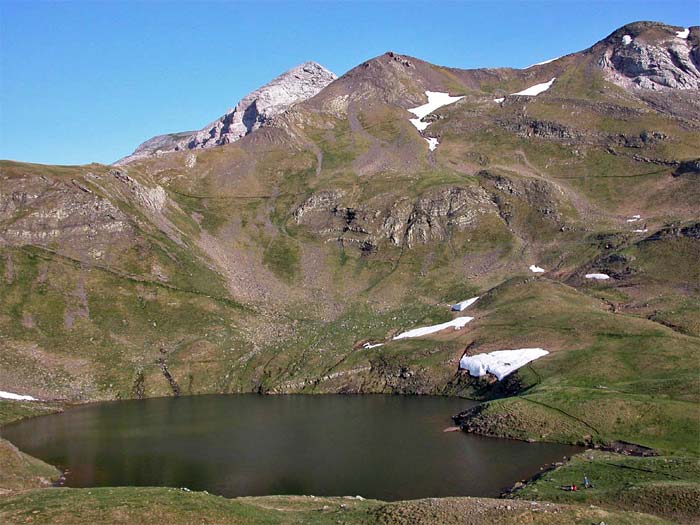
(124, 327)
(666, 486)
(610, 376)
(16, 410)
(19, 471)
(172, 506)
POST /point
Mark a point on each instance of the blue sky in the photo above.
(89, 81)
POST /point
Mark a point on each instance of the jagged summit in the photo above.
(295, 85)
(642, 57)
(651, 55)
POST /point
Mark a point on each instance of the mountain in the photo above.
(328, 220)
(284, 246)
(252, 111)
(651, 56)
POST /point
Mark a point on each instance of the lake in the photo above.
(377, 446)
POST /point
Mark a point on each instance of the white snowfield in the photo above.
(499, 100)
(458, 323)
(536, 89)
(536, 269)
(683, 34)
(435, 100)
(543, 63)
(463, 305)
(432, 143)
(369, 345)
(597, 276)
(626, 40)
(634, 218)
(500, 363)
(420, 125)
(642, 230)
(16, 397)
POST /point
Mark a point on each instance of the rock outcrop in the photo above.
(400, 220)
(688, 167)
(251, 112)
(651, 55)
(38, 211)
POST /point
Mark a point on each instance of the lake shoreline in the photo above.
(401, 426)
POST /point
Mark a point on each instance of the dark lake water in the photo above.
(384, 447)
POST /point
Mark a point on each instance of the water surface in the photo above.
(384, 447)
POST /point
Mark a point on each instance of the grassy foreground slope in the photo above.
(19, 471)
(172, 506)
(666, 486)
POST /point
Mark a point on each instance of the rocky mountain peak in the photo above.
(252, 111)
(390, 78)
(651, 55)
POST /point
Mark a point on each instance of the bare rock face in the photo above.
(398, 220)
(152, 199)
(653, 56)
(253, 111)
(59, 214)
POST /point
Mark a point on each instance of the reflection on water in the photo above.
(385, 447)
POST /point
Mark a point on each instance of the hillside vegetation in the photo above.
(266, 264)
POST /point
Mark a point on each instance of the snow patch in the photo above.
(500, 363)
(634, 218)
(626, 40)
(536, 89)
(457, 323)
(16, 397)
(641, 231)
(536, 269)
(435, 100)
(543, 63)
(499, 100)
(598, 276)
(432, 143)
(683, 34)
(463, 305)
(369, 345)
(419, 124)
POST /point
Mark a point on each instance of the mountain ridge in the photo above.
(258, 106)
(651, 65)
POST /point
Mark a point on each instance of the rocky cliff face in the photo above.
(251, 112)
(97, 217)
(434, 216)
(650, 55)
(62, 214)
(399, 220)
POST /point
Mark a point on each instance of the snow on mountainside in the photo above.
(297, 84)
(647, 55)
(535, 90)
